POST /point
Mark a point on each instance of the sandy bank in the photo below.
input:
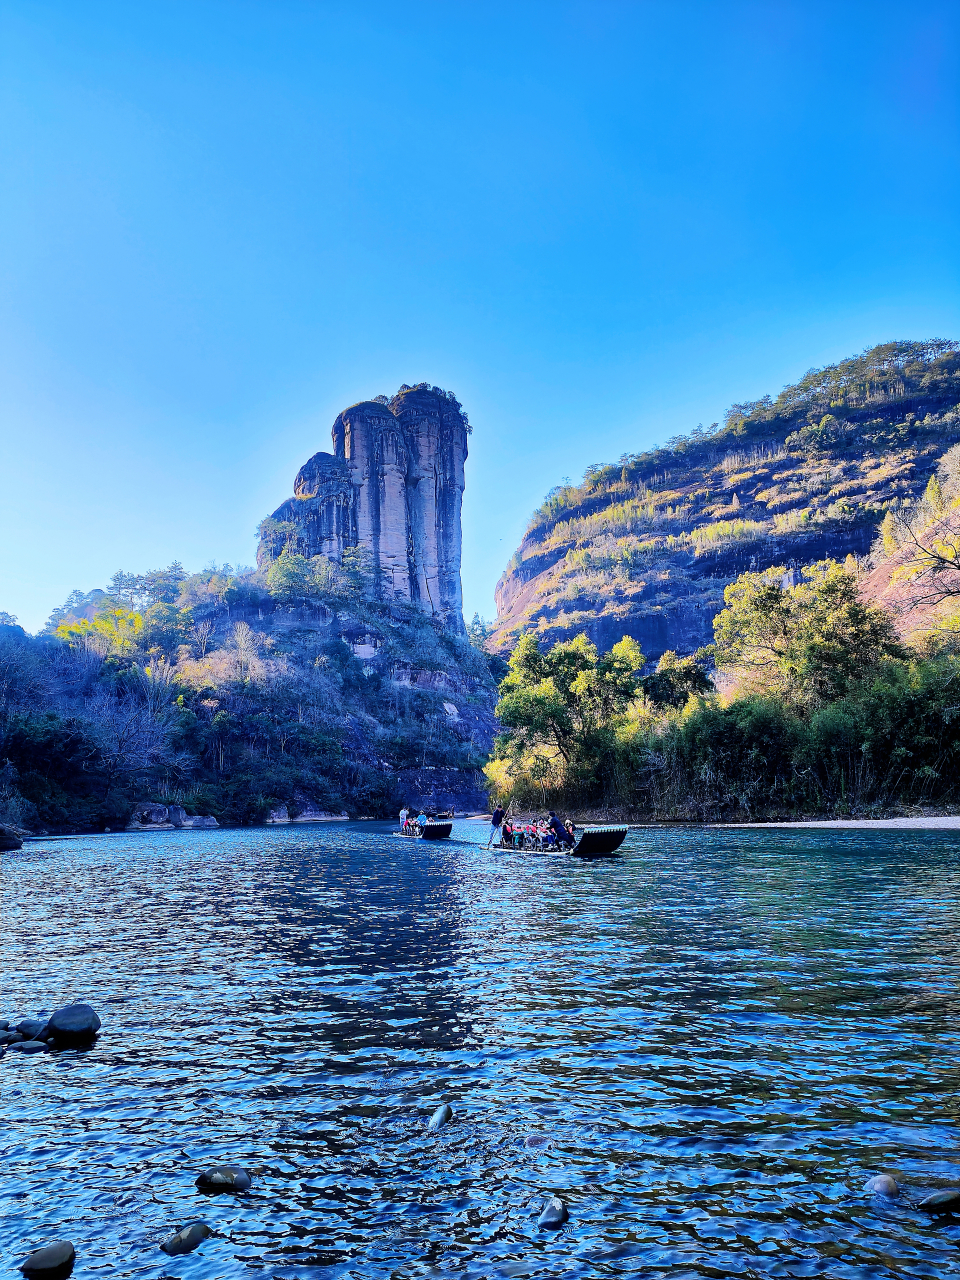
(866, 824)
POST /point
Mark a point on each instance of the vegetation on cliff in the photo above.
(826, 701)
(646, 546)
(230, 692)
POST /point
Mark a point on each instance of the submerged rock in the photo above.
(29, 1046)
(75, 1022)
(187, 1238)
(51, 1262)
(224, 1177)
(554, 1214)
(883, 1185)
(440, 1117)
(945, 1201)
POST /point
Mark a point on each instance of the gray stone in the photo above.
(31, 1027)
(394, 485)
(10, 838)
(187, 1238)
(30, 1046)
(176, 814)
(945, 1201)
(224, 1177)
(883, 1185)
(52, 1261)
(440, 1117)
(200, 821)
(4, 1024)
(554, 1214)
(74, 1022)
(10, 1037)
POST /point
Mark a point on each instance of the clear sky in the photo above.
(597, 223)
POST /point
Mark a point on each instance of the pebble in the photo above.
(52, 1261)
(224, 1177)
(440, 1117)
(187, 1238)
(883, 1185)
(945, 1201)
(554, 1213)
(75, 1022)
(30, 1028)
(29, 1046)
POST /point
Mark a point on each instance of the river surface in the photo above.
(705, 1048)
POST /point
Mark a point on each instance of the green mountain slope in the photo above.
(645, 546)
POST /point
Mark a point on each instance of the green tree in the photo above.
(563, 706)
(118, 630)
(675, 680)
(808, 642)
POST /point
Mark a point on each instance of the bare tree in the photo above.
(202, 632)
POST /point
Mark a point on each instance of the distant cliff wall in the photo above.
(645, 546)
(394, 486)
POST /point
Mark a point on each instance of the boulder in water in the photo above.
(29, 1046)
(75, 1022)
(224, 1177)
(186, 1239)
(31, 1028)
(10, 838)
(554, 1214)
(51, 1262)
(945, 1201)
(440, 1117)
(883, 1185)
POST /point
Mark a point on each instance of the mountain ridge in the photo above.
(645, 546)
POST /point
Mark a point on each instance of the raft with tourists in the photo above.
(425, 826)
(551, 836)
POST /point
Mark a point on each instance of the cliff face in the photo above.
(644, 547)
(393, 487)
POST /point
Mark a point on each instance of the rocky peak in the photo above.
(393, 486)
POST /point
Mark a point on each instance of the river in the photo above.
(705, 1048)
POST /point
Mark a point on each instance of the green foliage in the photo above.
(808, 641)
(561, 709)
(116, 630)
(675, 681)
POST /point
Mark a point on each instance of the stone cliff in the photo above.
(392, 487)
(645, 546)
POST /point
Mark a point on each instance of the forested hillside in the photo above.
(233, 692)
(645, 546)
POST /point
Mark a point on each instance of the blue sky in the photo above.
(598, 223)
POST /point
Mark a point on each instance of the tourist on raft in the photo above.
(404, 815)
(564, 836)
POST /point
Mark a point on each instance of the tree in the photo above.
(118, 630)
(808, 642)
(562, 707)
(675, 681)
(294, 577)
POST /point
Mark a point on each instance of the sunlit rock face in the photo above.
(393, 485)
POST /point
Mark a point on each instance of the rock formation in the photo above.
(392, 486)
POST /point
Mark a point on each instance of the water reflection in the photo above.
(705, 1048)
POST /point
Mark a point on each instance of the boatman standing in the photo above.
(404, 815)
(496, 822)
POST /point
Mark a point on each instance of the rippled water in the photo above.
(705, 1048)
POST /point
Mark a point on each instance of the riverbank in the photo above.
(605, 817)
